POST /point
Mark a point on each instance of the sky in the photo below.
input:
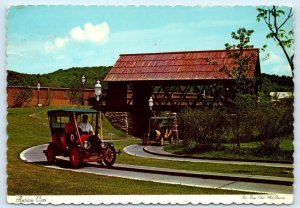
(43, 39)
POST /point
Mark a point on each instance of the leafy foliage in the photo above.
(202, 130)
(23, 97)
(75, 92)
(60, 78)
(276, 19)
(276, 83)
(262, 122)
(268, 122)
(239, 73)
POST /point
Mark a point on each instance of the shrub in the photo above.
(75, 92)
(23, 97)
(270, 122)
(202, 130)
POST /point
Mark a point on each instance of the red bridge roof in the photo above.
(191, 65)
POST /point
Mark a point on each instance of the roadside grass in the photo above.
(30, 179)
(198, 166)
(25, 131)
(247, 151)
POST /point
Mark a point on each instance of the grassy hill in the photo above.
(69, 78)
(60, 78)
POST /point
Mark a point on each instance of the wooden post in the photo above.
(101, 126)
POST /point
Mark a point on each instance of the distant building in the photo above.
(280, 95)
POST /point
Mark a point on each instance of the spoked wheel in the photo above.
(161, 142)
(145, 140)
(109, 156)
(75, 158)
(51, 153)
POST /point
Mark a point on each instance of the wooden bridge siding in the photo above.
(116, 97)
(190, 94)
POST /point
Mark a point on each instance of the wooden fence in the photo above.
(46, 96)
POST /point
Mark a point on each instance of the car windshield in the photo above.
(60, 119)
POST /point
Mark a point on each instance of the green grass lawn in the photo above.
(25, 131)
(246, 152)
(197, 166)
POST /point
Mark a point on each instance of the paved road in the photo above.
(35, 155)
(137, 150)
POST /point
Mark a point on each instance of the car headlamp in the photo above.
(103, 144)
(72, 137)
(86, 145)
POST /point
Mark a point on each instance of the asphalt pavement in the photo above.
(157, 152)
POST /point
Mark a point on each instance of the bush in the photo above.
(23, 97)
(202, 130)
(75, 92)
(270, 122)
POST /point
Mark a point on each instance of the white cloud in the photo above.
(77, 34)
(60, 42)
(93, 33)
(274, 59)
(49, 46)
(283, 69)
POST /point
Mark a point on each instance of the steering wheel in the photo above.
(80, 130)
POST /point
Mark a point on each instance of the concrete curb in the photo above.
(208, 175)
(220, 159)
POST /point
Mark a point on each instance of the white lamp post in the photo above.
(38, 88)
(83, 81)
(150, 103)
(98, 94)
(98, 90)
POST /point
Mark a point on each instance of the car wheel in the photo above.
(162, 142)
(109, 156)
(171, 140)
(145, 140)
(75, 158)
(51, 153)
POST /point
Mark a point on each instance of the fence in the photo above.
(46, 96)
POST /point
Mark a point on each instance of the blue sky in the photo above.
(42, 39)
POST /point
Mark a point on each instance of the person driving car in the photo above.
(85, 126)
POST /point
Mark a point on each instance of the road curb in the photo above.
(209, 175)
(214, 159)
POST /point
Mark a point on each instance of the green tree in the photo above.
(75, 91)
(276, 20)
(242, 61)
(23, 97)
(239, 74)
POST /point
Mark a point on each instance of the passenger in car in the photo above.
(70, 127)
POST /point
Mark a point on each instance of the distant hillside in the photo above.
(280, 83)
(60, 78)
(69, 78)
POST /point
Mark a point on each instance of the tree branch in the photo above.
(288, 17)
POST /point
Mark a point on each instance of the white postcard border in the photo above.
(135, 199)
(152, 199)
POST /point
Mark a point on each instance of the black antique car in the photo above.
(161, 129)
(70, 140)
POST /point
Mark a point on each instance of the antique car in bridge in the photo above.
(161, 129)
(73, 136)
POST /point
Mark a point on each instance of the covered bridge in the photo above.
(174, 80)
